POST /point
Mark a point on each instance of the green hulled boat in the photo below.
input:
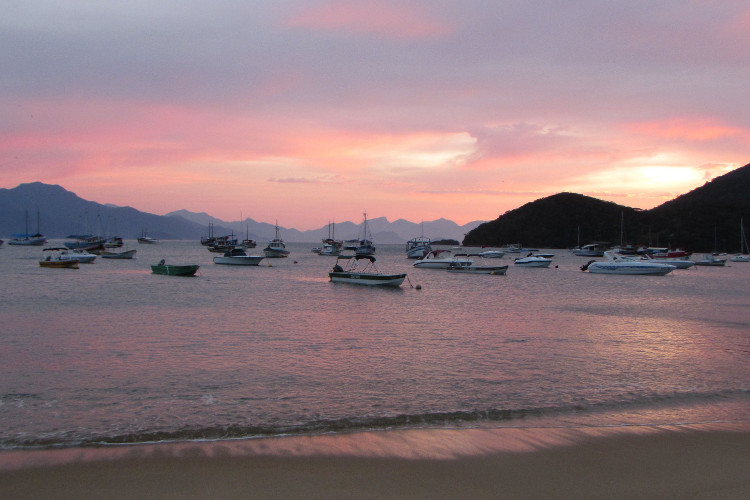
(174, 270)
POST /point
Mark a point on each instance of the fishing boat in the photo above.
(621, 264)
(148, 240)
(276, 247)
(418, 247)
(590, 250)
(459, 266)
(174, 270)
(52, 259)
(27, 239)
(532, 260)
(369, 274)
(126, 254)
(433, 260)
(238, 257)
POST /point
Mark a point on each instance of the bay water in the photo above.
(111, 353)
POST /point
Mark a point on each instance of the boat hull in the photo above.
(27, 242)
(533, 263)
(275, 253)
(441, 263)
(60, 264)
(370, 279)
(495, 270)
(173, 270)
(630, 269)
(240, 260)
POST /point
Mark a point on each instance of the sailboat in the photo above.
(27, 239)
(331, 246)
(366, 245)
(744, 255)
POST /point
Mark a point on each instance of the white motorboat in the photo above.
(433, 260)
(276, 247)
(711, 260)
(678, 262)
(82, 256)
(238, 257)
(459, 266)
(492, 254)
(620, 264)
(369, 274)
(532, 261)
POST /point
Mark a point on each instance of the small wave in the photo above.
(462, 418)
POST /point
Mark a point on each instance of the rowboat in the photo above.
(127, 254)
(174, 270)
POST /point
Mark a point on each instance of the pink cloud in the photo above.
(391, 20)
(691, 129)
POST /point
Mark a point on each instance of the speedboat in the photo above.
(434, 261)
(620, 264)
(238, 257)
(78, 254)
(678, 262)
(369, 274)
(459, 266)
(492, 254)
(532, 261)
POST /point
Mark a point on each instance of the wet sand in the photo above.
(689, 461)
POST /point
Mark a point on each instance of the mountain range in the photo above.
(705, 219)
(61, 213)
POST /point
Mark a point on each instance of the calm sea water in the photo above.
(111, 353)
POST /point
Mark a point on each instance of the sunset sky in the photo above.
(307, 111)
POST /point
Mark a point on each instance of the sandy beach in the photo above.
(690, 461)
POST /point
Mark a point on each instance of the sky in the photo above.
(318, 110)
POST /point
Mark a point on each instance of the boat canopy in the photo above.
(55, 249)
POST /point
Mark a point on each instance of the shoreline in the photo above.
(657, 461)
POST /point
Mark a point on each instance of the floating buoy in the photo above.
(418, 287)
